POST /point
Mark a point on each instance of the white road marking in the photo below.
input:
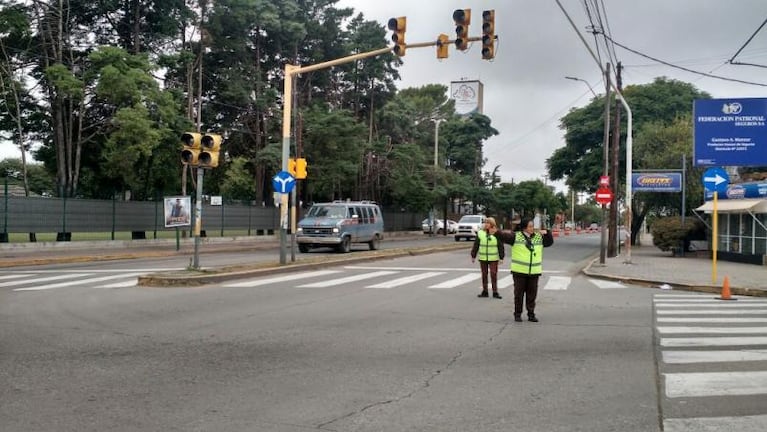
(706, 300)
(12, 276)
(123, 284)
(712, 312)
(43, 279)
(699, 384)
(713, 330)
(348, 279)
(721, 304)
(685, 357)
(405, 280)
(681, 295)
(712, 320)
(606, 284)
(457, 281)
(505, 281)
(713, 341)
(84, 270)
(77, 282)
(461, 269)
(756, 423)
(281, 278)
(557, 283)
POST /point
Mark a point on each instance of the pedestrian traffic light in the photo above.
(292, 167)
(211, 145)
(398, 26)
(488, 34)
(300, 168)
(462, 18)
(192, 146)
(443, 42)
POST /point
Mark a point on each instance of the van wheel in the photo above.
(346, 245)
(375, 243)
(303, 248)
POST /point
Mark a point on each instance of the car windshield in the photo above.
(327, 211)
(471, 219)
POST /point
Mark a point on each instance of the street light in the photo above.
(436, 121)
(583, 81)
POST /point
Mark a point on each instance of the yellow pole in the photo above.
(715, 240)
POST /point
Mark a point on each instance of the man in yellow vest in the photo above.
(526, 264)
(489, 249)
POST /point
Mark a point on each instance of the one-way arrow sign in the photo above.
(716, 180)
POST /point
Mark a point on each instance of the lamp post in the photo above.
(583, 81)
(436, 121)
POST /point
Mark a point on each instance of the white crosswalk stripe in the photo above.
(607, 284)
(41, 280)
(405, 280)
(348, 279)
(735, 338)
(37, 280)
(281, 278)
(557, 283)
(78, 282)
(457, 281)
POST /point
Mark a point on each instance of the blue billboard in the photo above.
(656, 182)
(730, 132)
(740, 190)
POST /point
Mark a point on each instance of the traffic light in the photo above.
(292, 167)
(488, 34)
(398, 26)
(192, 146)
(300, 168)
(211, 145)
(462, 18)
(443, 42)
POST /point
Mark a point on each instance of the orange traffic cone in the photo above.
(726, 290)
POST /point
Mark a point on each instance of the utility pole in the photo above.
(605, 171)
(612, 243)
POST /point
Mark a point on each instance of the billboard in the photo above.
(467, 96)
(656, 182)
(730, 132)
(740, 190)
(177, 211)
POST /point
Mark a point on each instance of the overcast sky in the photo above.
(525, 92)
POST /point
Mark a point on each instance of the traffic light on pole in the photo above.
(292, 166)
(442, 46)
(192, 146)
(300, 168)
(398, 26)
(211, 145)
(462, 18)
(488, 34)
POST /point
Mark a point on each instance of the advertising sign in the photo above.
(656, 182)
(730, 132)
(467, 96)
(741, 190)
(177, 211)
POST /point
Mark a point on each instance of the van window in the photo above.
(327, 211)
(366, 214)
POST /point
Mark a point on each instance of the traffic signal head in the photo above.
(192, 142)
(211, 145)
(488, 34)
(398, 27)
(300, 168)
(462, 18)
(292, 167)
(442, 46)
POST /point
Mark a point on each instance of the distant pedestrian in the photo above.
(526, 264)
(490, 250)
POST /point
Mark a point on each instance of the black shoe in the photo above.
(482, 294)
(532, 318)
(496, 295)
(518, 318)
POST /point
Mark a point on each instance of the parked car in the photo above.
(468, 227)
(439, 226)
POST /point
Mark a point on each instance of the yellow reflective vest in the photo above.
(488, 247)
(527, 258)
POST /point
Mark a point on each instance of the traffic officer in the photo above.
(490, 250)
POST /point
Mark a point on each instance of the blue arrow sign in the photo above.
(716, 180)
(283, 182)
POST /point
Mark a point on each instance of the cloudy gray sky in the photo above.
(525, 92)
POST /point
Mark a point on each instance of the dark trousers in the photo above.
(492, 268)
(525, 290)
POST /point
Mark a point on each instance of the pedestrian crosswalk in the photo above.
(710, 348)
(42, 280)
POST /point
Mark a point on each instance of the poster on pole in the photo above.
(467, 96)
(730, 132)
(177, 211)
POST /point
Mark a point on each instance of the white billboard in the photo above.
(467, 96)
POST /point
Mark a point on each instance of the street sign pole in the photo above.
(198, 220)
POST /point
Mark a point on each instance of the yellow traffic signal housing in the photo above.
(443, 42)
(211, 146)
(398, 26)
(300, 169)
(462, 18)
(488, 34)
(192, 142)
(292, 166)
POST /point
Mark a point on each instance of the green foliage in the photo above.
(238, 183)
(669, 234)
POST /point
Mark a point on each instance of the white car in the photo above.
(468, 227)
(439, 226)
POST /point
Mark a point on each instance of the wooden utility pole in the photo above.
(612, 242)
(606, 156)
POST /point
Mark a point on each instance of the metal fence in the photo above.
(68, 215)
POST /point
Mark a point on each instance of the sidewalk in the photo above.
(652, 267)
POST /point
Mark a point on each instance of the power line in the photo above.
(749, 40)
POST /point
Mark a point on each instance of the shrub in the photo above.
(668, 233)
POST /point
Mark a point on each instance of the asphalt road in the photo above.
(392, 345)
